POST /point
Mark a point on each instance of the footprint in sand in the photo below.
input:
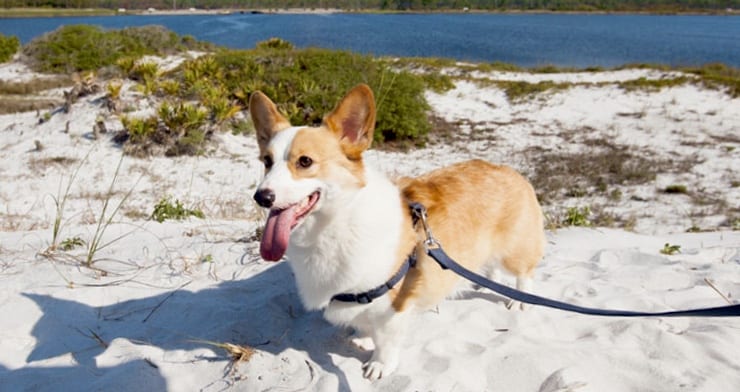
(563, 380)
(439, 354)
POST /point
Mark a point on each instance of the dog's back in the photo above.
(482, 214)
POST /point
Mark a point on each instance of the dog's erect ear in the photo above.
(266, 118)
(353, 121)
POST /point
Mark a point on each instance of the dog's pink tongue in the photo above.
(277, 233)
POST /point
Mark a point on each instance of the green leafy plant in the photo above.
(144, 71)
(208, 258)
(126, 64)
(165, 209)
(576, 216)
(71, 243)
(170, 87)
(139, 129)
(669, 249)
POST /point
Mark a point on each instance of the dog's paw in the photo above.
(364, 343)
(375, 369)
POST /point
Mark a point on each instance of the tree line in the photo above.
(411, 5)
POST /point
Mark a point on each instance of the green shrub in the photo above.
(139, 129)
(275, 43)
(144, 71)
(307, 83)
(75, 48)
(165, 209)
(8, 47)
(176, 129)
(575, 216)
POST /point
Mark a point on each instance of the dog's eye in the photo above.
(268, 161)
(305, 162)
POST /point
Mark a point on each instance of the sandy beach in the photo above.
(162, 299)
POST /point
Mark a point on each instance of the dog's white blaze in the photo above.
(288, 190)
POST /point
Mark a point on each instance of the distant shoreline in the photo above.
(69, 12)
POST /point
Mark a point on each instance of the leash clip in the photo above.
(419, 212)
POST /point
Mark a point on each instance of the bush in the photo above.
(8, 47)
(307, 83)
(75, 48)
(275, 43)
(179, 129)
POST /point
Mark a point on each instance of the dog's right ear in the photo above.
(266, 118)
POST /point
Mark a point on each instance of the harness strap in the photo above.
(434, 250)
(368, 296)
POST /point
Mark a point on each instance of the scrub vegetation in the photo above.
(8, 47)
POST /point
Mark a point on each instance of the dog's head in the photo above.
(307, 167)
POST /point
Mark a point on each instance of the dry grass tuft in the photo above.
(40, 165)
(34, 86)
(238, 353)
(595, 170)
(16, 97)
(12, 104)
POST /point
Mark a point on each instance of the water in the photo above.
(522, 39)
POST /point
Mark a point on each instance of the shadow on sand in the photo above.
(263, 311)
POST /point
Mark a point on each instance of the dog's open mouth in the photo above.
(281, 222)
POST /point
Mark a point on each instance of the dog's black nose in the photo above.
(265, 197)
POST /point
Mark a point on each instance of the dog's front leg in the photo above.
(388, 338)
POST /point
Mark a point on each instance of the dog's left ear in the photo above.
(353, 121)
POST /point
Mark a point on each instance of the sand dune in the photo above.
(161, 298)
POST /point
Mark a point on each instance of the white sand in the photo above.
(171, 287)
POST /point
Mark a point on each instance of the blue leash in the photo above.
(434, 250)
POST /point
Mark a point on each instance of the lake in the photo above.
(577, 40)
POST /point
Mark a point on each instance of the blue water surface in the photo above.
(578, 40)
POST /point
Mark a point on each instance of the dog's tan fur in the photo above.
(480, 213)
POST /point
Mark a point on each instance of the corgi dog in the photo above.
(347, 229)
